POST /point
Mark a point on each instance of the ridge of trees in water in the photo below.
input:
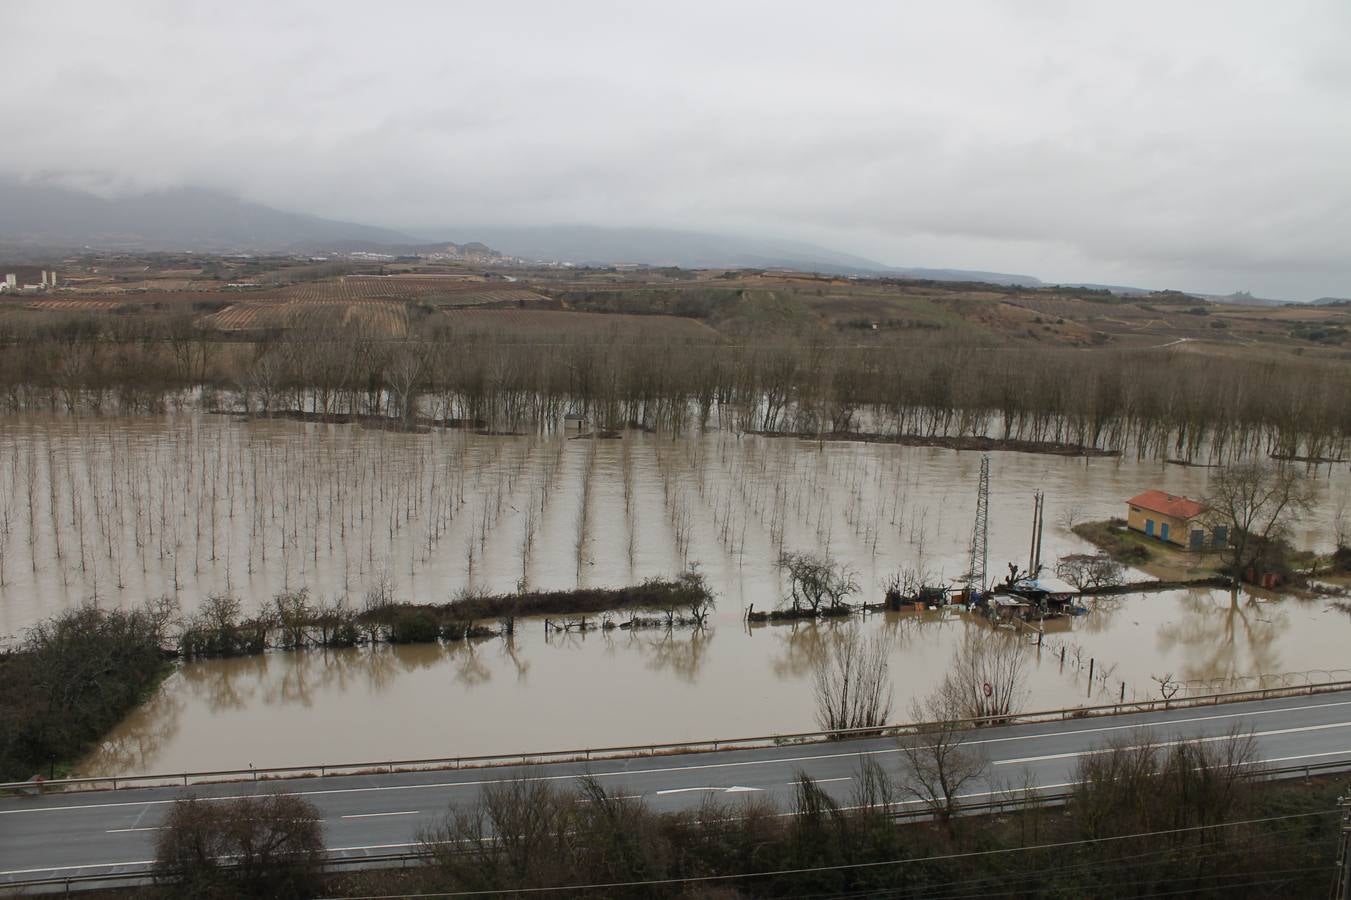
(1144, 818)
(1153, 403)
(294, 621)
(73, 677)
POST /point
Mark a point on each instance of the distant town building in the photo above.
(1176, 520)
(11, 284)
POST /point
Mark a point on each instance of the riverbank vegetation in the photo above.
(295, 621)
(71, 679)
(1150, 403)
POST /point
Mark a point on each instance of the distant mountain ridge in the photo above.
(175, 219)
(598, 245)
(37, 216)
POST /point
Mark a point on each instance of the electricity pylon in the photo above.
(980, 532)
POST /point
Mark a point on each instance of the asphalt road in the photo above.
(105, 832)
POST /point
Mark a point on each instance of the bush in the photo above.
(72, 678)
(268, 846)
(414, 626)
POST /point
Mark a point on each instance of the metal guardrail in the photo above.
(1013, 799)
(119, 782)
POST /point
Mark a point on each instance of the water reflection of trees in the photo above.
(225, 684)
(668, 650)
(137, 742)
(470, 669)
(511, 652)
(804, 642)
(1215, 629)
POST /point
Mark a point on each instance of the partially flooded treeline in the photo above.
(294, 620)
(1147, 403)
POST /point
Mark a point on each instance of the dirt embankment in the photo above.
(950, 442)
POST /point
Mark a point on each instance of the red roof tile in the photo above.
(1168, 504)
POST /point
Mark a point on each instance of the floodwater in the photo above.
(577, 691)
(115, 510)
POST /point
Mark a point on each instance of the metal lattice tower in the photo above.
(980, 532)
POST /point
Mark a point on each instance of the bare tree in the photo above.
(1137, 784)
(938, 762)
(1087, 571)
(851, 681)
(817, 581)
(987, 676)
(1257, 502)
(1168, 688)
(272, 845)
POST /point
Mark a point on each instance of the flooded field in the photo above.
(593, 690)
(119, 510)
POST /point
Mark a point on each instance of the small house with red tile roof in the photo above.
(1174, 520)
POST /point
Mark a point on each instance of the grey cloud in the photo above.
(1201, 145)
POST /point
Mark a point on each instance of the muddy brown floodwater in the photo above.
(115, 510)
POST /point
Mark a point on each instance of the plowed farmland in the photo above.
(545, 324)
(382, 318)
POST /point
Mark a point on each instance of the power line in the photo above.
(778, 873)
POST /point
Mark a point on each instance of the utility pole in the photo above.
(1034, 553)
(1341, 889)
(980, 532)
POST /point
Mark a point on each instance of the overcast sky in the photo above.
(1197, 145)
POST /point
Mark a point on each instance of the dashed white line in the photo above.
(1188, 740)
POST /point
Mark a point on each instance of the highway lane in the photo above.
(101, 832)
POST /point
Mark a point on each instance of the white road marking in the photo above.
(687, 790)
(139, 862)
(1188, 740)
(690, 768)
(408, 812)
(820, 781)
(124, 830)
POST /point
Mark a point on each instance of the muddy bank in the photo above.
(1139, 587)
(417, 425)
(960, 442)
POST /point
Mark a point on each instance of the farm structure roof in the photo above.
(1168, 504)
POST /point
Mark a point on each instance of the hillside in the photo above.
(179, 219)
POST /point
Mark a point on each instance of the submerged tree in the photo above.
(818, 581)
(1087, 571)
(1257, 503)
(851, 681)
(987, 677)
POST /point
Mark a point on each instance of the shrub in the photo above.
(268, 846)
(414, 626)
(71, 679)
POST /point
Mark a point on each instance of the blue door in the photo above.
(1163, 531)
(1149, 527)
